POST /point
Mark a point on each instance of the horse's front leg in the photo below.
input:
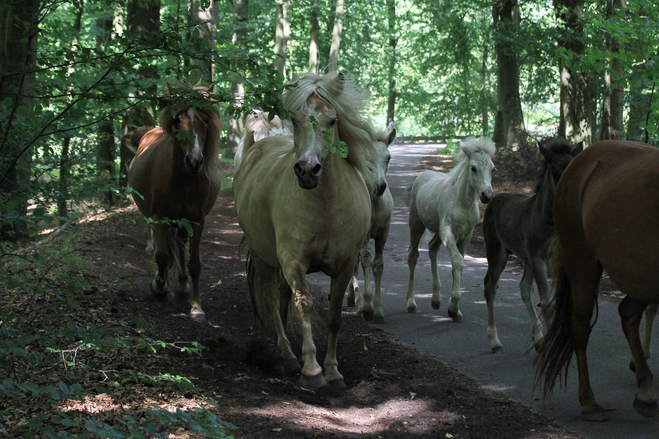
(539, 269)
(378, 269)
(526, 291)
(337, 288)
(182, 287)
(456, 251)
(433, 249)
(367, 267)
(194, 267)
(295, 274)
(416, 232)
(631, 312)
(354, 295)
(161, 255)
(650, 314)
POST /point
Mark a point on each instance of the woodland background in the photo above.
(76, 75)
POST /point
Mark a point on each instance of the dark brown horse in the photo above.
(522, 225)
(606, 215)
(176, 175)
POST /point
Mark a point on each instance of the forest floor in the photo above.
(392, 390)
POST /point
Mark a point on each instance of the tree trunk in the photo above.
(106, 150)
(391, 18)
(282, 33)
(575, 125)
(506, 21)
(639, 105)
(313, 40)
(18, 54)
(237, 88)
(485, 128)
(143, 18)
(63, 193)
(203, 19)
(336, 38)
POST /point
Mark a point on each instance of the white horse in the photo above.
(305, 209)
(382, 206)
(257, 127)
(447, 205)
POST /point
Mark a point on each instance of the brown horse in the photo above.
(522, 225)
(176, 176)
(606, 211)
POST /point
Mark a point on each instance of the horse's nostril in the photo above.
(316, 169)
(297, 169)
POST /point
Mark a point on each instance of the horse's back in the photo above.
(607, 202)
(503, 220)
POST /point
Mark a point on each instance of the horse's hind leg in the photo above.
(631, 312)
(378, 269)
(161, 255)
(194, 267)
(650, 314)
(150, 248)
(456, 251)
(416, 232)
(367, 301)
(433, 248)
(497, 257)
(182, 287)
(353, 288)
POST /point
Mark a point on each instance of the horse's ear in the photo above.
(546, 152)
(577, 149)
(210, 88)
(392, 137)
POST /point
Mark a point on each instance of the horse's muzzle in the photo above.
(380, 189)
(486, 196)
(193, 167)
(308, 173)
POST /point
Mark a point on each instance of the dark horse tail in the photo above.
(555, 349)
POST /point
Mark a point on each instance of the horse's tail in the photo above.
(555, 349)
(261, 294)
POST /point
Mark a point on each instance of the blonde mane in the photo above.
(185, 95)
(350, 105)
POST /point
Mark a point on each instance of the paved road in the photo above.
(466, 347)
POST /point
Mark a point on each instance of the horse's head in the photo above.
(557, 155)
(189, 123)
(479, 153)
(378, 164)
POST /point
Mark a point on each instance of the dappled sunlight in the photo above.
(376, 419)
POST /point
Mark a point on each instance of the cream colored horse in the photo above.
(447, 205)
(305, 209)
(382, 206)
(258, 127)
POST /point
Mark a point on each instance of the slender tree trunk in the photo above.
(203, 19)
(506, 21)
(336, 38)
(143, 18)
(639, 105)
(391, 19)
(18, 55)
(282, 33)
(237, 89)
(575, 124)
(106, 150)
(63, 193)
(485, 128)
(313, 40)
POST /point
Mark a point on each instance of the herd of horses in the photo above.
(303, 208)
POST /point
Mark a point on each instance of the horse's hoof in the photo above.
(497, 349)
(594, 415)
(159, 291)
(368, 315)
(411, 309)
(435, 305)
(351, 302)
(456, 316)
(291, 366)
(379, 320)
(337, 385)
(198, 315)
(312, 382)
(183, 291)
(645, 409)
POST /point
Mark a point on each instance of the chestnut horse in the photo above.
(175, 176)
(606, 216)
(522, 225)
(306, 209)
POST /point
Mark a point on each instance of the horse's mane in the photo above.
(185, 95)
(557, 146)
(350, 105)
(471, 145)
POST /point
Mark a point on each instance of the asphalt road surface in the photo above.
(465, 346)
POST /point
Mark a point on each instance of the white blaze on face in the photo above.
(195, 154)
(310, 152)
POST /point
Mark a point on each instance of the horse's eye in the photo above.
(333, 122)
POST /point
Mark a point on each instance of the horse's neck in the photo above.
(545, 196)
(460, 181)
(336, 178)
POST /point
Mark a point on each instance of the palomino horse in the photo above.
(257, 127)
(605, 214)
(522, 225)
(382, 206)
(176, 175)
(447, 205)
(305, 209)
